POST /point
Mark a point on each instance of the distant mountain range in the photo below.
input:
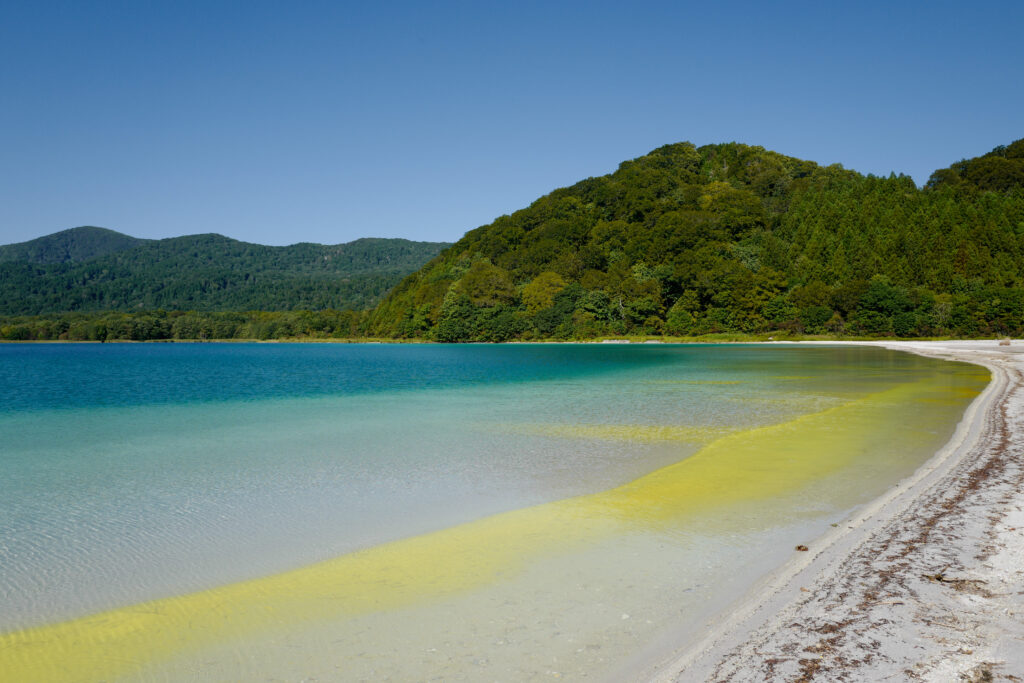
(94, 269)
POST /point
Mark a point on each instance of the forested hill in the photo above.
(730, 237)
(67, 246)
(91, 269)
(1000, 170)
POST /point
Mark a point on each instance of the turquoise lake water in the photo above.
(135, 472)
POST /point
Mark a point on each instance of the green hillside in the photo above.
(1000, 170)
(734, 238)
(199, 272)
(69, 246)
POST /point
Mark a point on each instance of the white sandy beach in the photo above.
(925, 584)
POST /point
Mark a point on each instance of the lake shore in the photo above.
(924, 583)
(214, 629)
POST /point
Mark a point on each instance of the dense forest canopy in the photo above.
(1000, 170)
(68, 246)
(92, 269)
(183, 325)
(731, 237)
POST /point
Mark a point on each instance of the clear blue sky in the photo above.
(280, 122)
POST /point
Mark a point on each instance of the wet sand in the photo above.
(925, 583)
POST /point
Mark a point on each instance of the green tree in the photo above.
(540, 292)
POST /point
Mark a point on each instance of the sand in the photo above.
(925, 583)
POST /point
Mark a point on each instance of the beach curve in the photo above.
(924, 583)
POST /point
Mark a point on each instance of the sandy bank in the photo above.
(925, 583)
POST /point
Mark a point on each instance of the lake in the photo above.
(412, 512)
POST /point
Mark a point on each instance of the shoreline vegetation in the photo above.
(339, 327)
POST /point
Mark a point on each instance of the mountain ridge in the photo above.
(79, 244)
(199, 272)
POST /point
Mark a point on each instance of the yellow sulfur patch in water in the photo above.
(634, 432)
(753, 465)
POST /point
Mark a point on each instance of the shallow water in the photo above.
(536, 544)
